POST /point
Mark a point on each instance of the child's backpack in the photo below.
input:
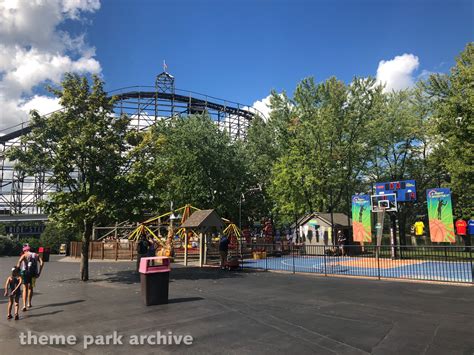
(32, 264)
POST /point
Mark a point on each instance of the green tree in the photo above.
(452, 98)
(327, 145)
(260, 151)
(83, 146)
(189, 160)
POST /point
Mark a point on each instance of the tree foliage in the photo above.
(83, 147)
(452, 97)
(188, 160)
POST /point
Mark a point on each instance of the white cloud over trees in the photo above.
(34, 51)
(397, 73)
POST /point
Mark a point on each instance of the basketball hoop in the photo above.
(380, 204)
(384, 202)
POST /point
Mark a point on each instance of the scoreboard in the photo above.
(405, 190)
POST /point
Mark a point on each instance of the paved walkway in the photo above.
(243, 313)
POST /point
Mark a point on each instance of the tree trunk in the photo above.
(86, 237)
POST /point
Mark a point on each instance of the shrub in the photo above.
(9, 247)
(53, 236)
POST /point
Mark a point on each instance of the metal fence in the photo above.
(426, 263)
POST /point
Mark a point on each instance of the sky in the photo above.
(237, 50)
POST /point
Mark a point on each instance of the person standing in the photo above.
(31, 265)
(152, 249)
(223, 250)
(341, 240)
(142, 250)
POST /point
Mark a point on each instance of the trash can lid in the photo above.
(154, 264)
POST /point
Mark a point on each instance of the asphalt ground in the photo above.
(240, 313)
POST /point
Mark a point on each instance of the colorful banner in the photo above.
(440, 214)
(361, 222)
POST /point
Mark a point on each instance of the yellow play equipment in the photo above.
(151, 229)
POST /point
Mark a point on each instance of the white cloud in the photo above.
(263, 106)
(397, 73)
(42, 104)
(33, 51)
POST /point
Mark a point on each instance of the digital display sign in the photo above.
(405, 190)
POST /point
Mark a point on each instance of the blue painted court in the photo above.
(450, 271)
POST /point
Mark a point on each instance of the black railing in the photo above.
(427, 263)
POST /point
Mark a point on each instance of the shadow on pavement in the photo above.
(40, 314)
(184, 299)
(59, 304)
(197, 273)
(124, 276)
(178, 273)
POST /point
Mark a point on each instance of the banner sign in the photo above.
(25, 230)
(440, 214)
(361, 219)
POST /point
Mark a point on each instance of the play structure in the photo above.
(187, 231)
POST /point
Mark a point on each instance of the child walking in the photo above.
(12, 290)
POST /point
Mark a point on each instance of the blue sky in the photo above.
(241, 50)
(236, 50)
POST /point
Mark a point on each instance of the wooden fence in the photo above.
(106, 250)
(124, 250)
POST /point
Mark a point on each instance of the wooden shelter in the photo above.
(204, 223)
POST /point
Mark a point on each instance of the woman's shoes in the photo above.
(9, 316)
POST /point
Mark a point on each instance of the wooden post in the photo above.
(130, 245)
(91, 247)
(116, 231)
(205, 248)
(102, 251)
(116, 251)
(185, 248)
(200, 249)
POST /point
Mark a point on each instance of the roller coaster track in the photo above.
(144, 105)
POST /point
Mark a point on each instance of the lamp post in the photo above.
(242, 197)
(169, 241)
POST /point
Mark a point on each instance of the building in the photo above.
(315, 228)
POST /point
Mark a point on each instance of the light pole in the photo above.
(242, 197)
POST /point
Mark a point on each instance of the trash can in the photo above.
(44, 253)
(154, 279)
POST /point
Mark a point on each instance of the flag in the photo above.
(165, 67)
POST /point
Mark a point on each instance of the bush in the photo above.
(9, 247)
(53, 236)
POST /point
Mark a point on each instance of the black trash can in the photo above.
(44, 253)
(154, 279)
